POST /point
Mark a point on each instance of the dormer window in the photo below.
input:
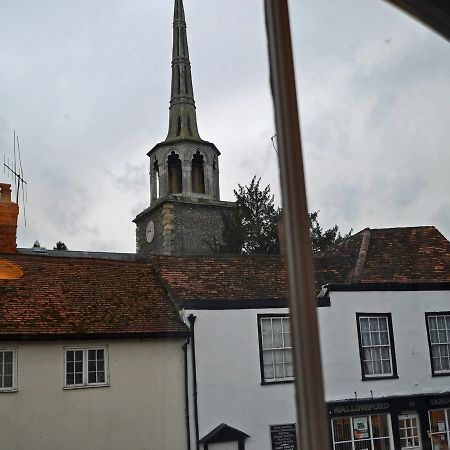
(175, 174)
(198, 174)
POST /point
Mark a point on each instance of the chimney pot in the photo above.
(5, 193)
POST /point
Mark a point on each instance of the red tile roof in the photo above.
(85, 297)
(408, 254)
(237, 277)
(370, 256)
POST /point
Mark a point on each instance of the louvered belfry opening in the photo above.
(175, 174)
(157, 179)
(198, 173)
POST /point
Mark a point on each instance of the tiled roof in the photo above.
(373, 255)
(84, 297)
(408, 254)
(223, 277)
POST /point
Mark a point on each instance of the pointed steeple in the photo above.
(182, 116)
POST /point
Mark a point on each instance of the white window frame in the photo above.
(434, 435)
(446, 342)
(85, 382)
(351, 443)
(375, 347)
(12, 388)
(265, 350)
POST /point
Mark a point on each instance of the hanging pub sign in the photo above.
(283, 437)
(360, 428)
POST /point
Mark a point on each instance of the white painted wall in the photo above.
(340, 351)
(143, 408)
(229, 377)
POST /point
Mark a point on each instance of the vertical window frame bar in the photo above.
(312, 434)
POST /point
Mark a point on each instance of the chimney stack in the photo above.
(9, 212)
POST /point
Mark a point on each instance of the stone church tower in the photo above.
(185, 215)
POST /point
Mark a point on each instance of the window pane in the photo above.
(266, 326)
(7, 369)
(387, 367)
(344, 446)
(363, 445)
(382, 323)
(376, 339)
(8, 381)
(381, 444)
(437, 419)
(70, 379)
(91, 355)
(92, 366)
(366, 339)
(267, 341)
(373, 324)
(8, 357)
(384, 338)
(70, 355)
(278, 356)
(276, 325)
(268, 372)
(78, 366)
(78, 355)
(380, 426)
(434, 336)
(287, 326)
(364, 324)
(342, 429)
(289, 370)
(92, 377)
(78, 378)
(278, 340)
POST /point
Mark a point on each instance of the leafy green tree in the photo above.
(321, 239)
(252, 228)
(60, 246)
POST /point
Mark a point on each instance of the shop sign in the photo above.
(439, 401)
(358, 408)
(283, 437)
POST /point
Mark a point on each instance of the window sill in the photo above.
(381, 377)
(8, 391)
(86, 386)
(440, 374)
(266, 383)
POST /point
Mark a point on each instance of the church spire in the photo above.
(182, 116)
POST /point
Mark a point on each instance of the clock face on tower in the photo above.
(150, 231)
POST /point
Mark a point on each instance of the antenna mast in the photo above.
(17, 174)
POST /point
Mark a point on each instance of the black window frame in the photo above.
(427, 315)
(394, 374)
(261, 359)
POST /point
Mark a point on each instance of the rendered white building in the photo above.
(384, 331)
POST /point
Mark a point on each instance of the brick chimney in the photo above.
(9, 211)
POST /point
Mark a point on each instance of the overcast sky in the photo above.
(86, 84)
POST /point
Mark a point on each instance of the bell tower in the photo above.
(185, 215)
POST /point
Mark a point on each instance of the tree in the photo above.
(36, 244)
(60, 246)
(321, 239)
(252, 228)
